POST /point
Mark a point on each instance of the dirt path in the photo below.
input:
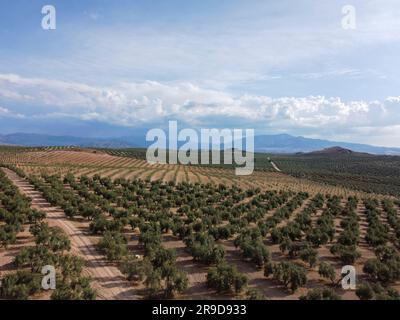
(275, 166)
(106, 278)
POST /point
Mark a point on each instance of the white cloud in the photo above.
(5, 113)
(150, 102)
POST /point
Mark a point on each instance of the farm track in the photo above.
(106, 278)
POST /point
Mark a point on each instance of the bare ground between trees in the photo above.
(106, 278)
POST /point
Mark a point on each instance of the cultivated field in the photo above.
(164, 231)
(91, 162)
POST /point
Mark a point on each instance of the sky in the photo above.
(113, 68)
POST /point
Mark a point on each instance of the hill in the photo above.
(334, 150)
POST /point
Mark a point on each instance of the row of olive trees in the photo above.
(51, 248)
(15, 211)
(346, 246)
(385, 268)
(201, 216)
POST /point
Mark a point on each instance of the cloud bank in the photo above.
(151, 103)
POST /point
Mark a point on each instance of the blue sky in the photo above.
(115, 67)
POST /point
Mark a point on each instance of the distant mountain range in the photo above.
(281, 143)
(284, 143)
(40, 140)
